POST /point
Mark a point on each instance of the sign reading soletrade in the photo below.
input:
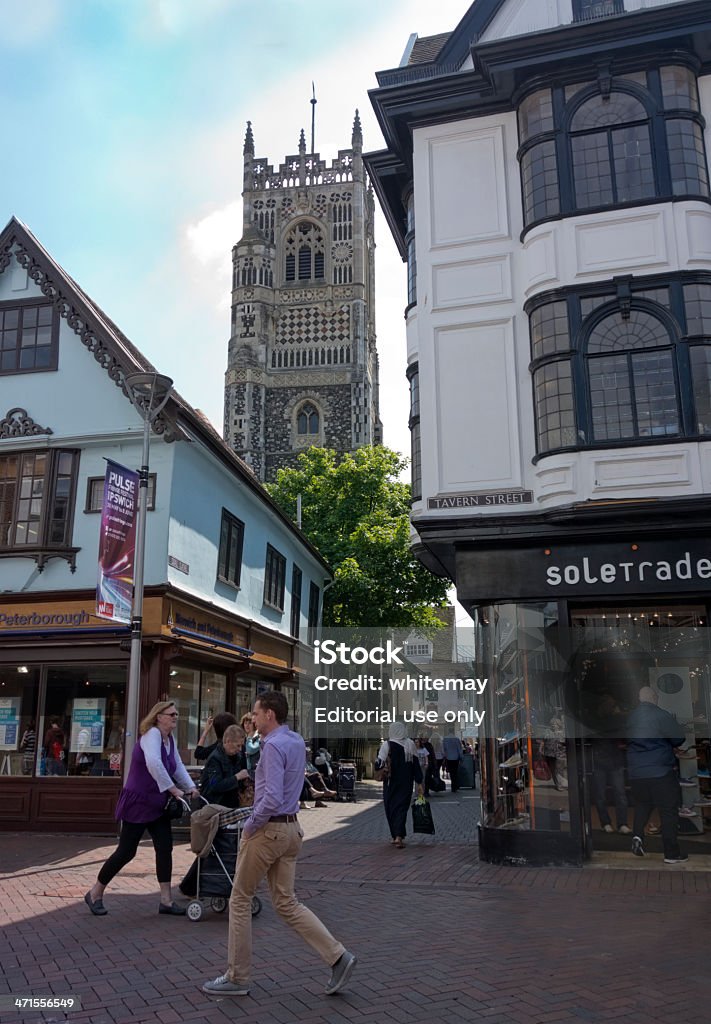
(484, 499)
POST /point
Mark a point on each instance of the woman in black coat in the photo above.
(404, 771)
(225, 774)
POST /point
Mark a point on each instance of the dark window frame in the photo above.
(586, 307)
(314, 608)
(297, 578)
(549, 194)
(231, 544)
(23, 306)
(274, 578)
(90, 508)
(413, 376)
(50, 500)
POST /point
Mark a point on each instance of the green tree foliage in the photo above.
(356, 512)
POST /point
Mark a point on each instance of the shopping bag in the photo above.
(541, 771)
(422, 817)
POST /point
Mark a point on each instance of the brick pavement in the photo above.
(438, 935)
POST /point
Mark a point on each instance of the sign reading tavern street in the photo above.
(485, 499)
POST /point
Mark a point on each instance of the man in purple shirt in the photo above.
(271, 841)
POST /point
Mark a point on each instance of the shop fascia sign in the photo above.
(481, 499)
(192, 623)
(43, 618)
(650, 567)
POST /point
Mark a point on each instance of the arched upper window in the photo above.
(622, 362)
(611, 151)
(304, 250)
(308, 420)
(625, 139)
(631, 378)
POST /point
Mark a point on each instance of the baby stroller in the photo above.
(211, 875)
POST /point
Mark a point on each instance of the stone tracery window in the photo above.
(304, 249)
(308, 420)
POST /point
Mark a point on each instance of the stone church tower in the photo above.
(302, 366)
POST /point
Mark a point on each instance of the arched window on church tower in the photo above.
(308, 420)
(304, 253)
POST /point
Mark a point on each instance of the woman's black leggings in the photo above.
(131, 835)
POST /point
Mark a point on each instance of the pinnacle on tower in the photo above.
(302, 142)
(357, 137)
(248, 141)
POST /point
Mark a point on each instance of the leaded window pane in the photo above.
(535, 115)
(593, 302)
(697, 304)
(555, 413)
(610, 398)
(700, 356)
(539, 174)
(618, 108)
(679, 88)
(549, 330)
(641, 330)
(591, 170)
(655, 394)
(632, 156)
(687, 160)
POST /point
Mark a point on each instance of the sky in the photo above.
(124, 123)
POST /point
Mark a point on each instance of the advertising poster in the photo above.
(117, 544)
(88, 723)
(9, 723)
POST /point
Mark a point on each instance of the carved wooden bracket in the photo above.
(18, 424)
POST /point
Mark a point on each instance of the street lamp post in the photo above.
(149, 393)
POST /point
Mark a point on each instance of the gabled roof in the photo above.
(120, 357)
(426, 49)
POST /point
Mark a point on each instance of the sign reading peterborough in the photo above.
(117, 544)
(486, 499)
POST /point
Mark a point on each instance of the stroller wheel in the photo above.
(256, 906)
(218, 904)
(194, 910)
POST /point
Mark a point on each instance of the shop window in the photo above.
(274, 579)
(37, 491)
(81, 725)
(29, 334)
(229, 560)
(95, 493)
(296, 580)
(589, 146)
(19, 689)
(197, 694)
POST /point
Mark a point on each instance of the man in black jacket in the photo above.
(652, 737)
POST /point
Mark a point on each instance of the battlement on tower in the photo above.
(297, 171)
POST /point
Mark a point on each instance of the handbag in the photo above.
(422, 820)
(541, 771)
(176, 808)
(381, 769)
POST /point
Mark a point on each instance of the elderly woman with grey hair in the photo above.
(403, 769)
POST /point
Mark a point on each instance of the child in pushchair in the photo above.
(215, 833)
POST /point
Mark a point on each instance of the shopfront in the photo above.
(63, 678)
(579, 627)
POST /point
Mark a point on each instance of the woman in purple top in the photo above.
(156, 773)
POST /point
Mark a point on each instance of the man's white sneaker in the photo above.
(607, 828)
(223, 986)
(637, 847)
(677, 860)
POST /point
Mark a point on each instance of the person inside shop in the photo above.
(225, 779)
(54, 754)
(608, 762)
(156, 774)
(653, 738)
(218, 723)
(28, 745)
(252, 744)
(554, 753)
(453, 754)
(315, 787)
(404, 771)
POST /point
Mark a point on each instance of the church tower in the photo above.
(302, 366)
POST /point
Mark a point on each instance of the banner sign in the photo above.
(88, 722)
(117, 543)
(9, 722)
